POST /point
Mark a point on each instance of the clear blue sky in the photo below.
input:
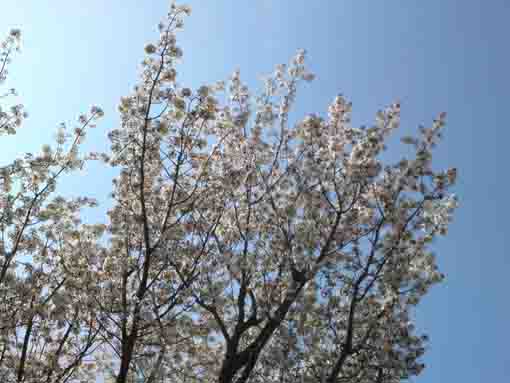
(433, 55)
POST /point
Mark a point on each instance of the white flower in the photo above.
(307, 76)
(185, 9)
(16, 33)
(150, 49)
(97, 111)
(203, 91)
(299, 59)
(185, 92)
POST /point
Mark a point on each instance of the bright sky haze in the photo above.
(432, 56)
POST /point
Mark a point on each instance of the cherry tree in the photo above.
(159, 212)
(241, 246)
(47, 328)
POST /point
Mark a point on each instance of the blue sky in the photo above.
(431, 55)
